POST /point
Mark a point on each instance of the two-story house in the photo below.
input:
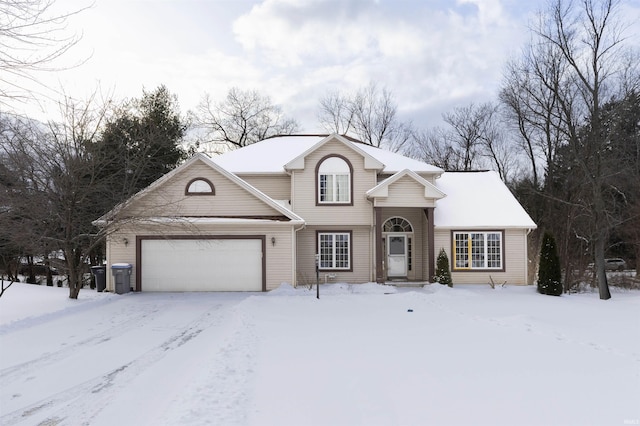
(266, 214)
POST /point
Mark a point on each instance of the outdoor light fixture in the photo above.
(125, 241)
(273, 241)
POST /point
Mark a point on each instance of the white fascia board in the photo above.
(104, 219)
(252, 189)
(483, 227)
(382, 189)
(369, 161)
(217, 221)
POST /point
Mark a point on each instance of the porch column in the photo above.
(430, 242)
(378, 245)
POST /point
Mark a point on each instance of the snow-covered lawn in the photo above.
(361, 355)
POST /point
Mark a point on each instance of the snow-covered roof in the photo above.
(395, 162)
(271, 155)
(268, 156)
(478, 200)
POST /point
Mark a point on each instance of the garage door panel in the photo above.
(201, 265)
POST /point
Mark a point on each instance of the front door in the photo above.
(396, 255)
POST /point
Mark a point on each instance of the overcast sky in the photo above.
(432, 55)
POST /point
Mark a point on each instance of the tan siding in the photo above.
(304, 189)
(278, 256)
(277, 187)
(515, 260)
(169, 199)
(119, 252)
(360, 256)
(405, 192)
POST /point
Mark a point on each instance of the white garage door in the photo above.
(214, 264)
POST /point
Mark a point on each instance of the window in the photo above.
(477, 250)
(334, 181)
(199, 186)
(335, 250)
(397, 224)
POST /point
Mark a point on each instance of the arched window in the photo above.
(199, 186)
(397, 224)
(334, 174)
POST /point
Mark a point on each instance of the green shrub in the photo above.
(549, 273)
(443, 274)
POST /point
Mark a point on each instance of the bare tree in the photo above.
(336, 114)
(556, 95)
(32, 37)
(496, 145)
(369, 114)
(55, 194)
(467, 124)
(476, 139)
(243, 118)
(529, 95)
(433, 146)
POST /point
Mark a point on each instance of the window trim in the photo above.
(454, 266)
(317, 172)
(205, 180)
(335, 232)
(394, 220)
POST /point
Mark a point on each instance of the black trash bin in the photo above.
(121, 276)
(100, 275)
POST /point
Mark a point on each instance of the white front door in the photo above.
(396, 255)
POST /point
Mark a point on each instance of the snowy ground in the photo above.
(358, 356)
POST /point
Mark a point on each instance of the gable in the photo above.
(228, 199)
(230, 196)
(335, 143)
(305, 187)
(405, 189)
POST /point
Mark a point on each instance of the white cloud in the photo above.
(419, 51)
(431, 54)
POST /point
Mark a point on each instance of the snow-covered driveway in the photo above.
(357, 356)
(120, 358)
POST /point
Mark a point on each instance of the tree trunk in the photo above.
(75, 274)
(74, 287)
(601, 273)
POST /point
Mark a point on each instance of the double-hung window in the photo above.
(478, 250)
(334, 181)
(335, 250)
